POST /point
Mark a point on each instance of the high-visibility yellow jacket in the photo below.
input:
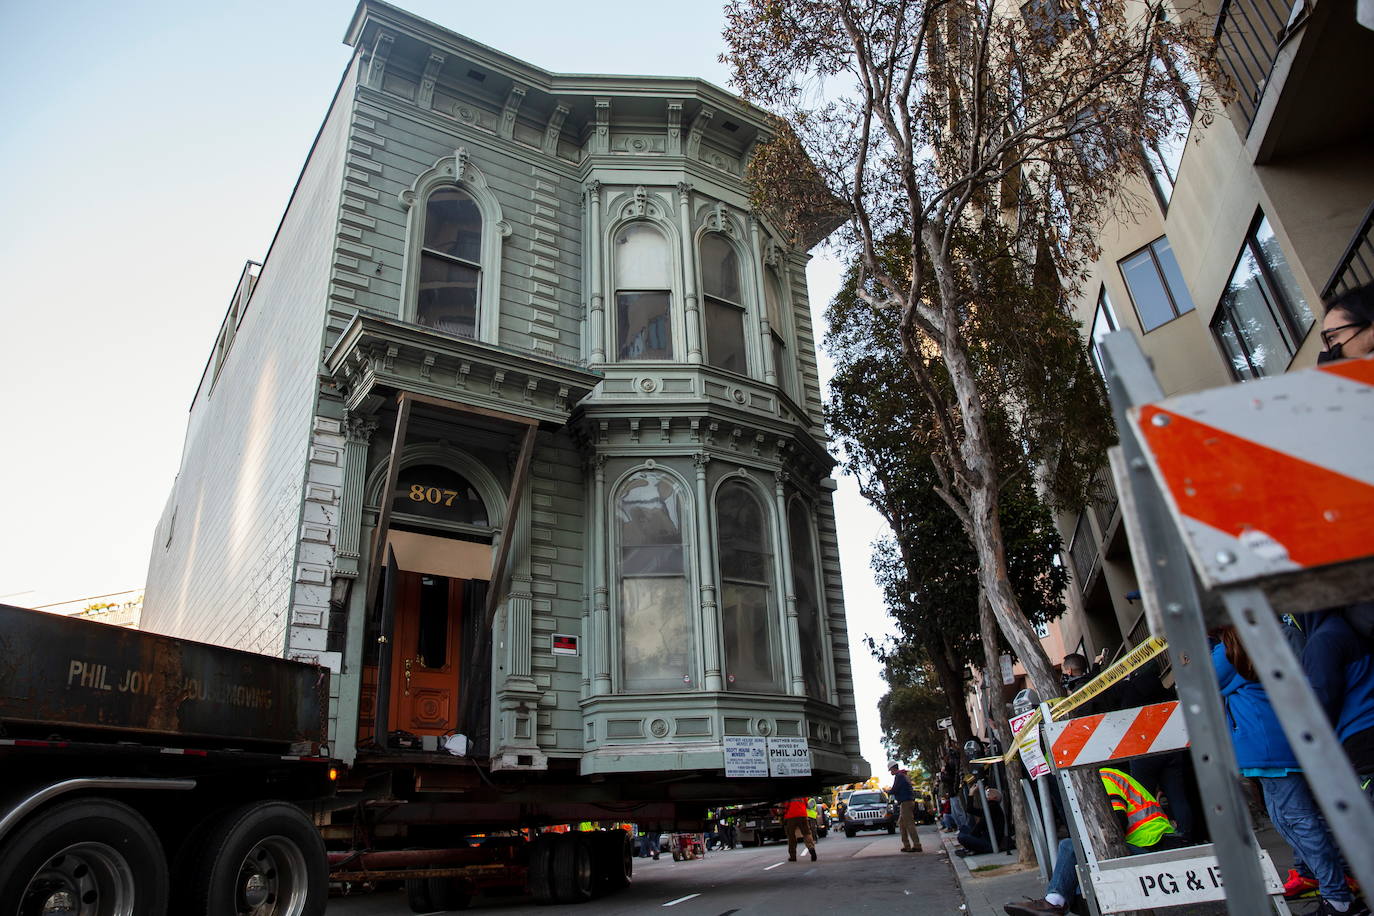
(1146, 822)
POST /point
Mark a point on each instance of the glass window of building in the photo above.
(1156, 284)
(643, 294)
(1104, 322)
(810, 630)
(746, 591)
(657, 647)
(724, 303)
(1263, 315)
(773, 302)
(450, 263)
(1164, 153)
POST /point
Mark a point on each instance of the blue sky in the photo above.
(148, 150)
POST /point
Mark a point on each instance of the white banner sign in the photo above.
(1125, 887)
(788, 757)
(746, 756)
(1031, 755)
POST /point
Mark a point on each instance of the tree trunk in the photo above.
(952, 682)
(1025, 849)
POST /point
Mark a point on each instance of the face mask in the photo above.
(1329, 356)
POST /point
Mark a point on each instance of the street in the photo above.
(868, 873)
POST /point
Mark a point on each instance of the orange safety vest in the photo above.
(795, 808)
(1146, 822)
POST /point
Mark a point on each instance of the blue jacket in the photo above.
(901, 788)
(1340, 666)
(1255, 731)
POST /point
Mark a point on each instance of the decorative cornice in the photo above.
(699, 124)
(674, 127)
(425, 97)
(506, 126)
(554, 128)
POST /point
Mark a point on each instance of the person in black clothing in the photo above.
(973, 837)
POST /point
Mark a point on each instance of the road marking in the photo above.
(681, 900)
(771, 867)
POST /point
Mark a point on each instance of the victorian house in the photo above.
(516, 427)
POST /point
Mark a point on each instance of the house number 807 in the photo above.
(423, 494)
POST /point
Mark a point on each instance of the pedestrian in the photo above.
(1348, 327)
(905, 797)
(975, 837)
(1142, 821)
(1263, 753)
(794, 821)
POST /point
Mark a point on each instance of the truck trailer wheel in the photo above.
(432, 895)
(541, 869)
(263, 859)
(572, 869)
(94, 854)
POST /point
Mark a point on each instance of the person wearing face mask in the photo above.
(1348, 328)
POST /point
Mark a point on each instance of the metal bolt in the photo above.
(1225, 558)
(1138, 464)
(1174, 608)
(1160, 419)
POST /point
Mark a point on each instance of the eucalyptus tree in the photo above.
(992, 144)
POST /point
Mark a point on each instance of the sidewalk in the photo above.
(989, 881)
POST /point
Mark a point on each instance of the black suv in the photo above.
(869, 809)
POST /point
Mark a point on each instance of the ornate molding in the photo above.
(698, 129)
(506, 126)
(601, 139)
(381, 50)
(674, 127)
(554, 129)
(425, 97)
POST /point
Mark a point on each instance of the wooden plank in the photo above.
(517, 488)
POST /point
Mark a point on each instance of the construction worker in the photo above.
(794, 821)
(1143, 821)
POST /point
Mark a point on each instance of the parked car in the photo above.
(869, 809)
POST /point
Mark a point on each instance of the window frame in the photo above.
(1169, 291)
(770, 541)
(1104, 307)
(1187, 101)
(788, 376)
(1280, 310)
(665, 233)
(796, 503)
(738, 309)
(456, 171)
(615, 596)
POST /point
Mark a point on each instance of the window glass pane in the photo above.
(657, 648)
(746, 570)
(448, 296)
(1147, 290)
(808, 602)
(1247, 301)
(1295, 303)
(435, 491)
(453, 225)
(781, 364)
(641, 258)
(644, 326)
(1172, 275)
(431, 650)
(650, 517)
(772, 299)
(656, 644)
(719, 268)
(1225, 333)
(724, 336)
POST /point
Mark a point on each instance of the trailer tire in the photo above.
(622, 860)
(431, 895)
(541, 869)
(263, 853)
(572, 869)
(93, 846)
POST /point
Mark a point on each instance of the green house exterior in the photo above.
(515, 252)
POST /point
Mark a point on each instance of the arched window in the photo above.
(724, 303)
(657, 648)
(643, 294)
(773, 301)
(450, 263)
(746, 591)
(804, 586)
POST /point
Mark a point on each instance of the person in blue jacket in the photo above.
(1263, 752)
(1339, 662)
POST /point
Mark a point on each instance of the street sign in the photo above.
(745, 756)
(788, 757)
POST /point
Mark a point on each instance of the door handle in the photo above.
(408, 664)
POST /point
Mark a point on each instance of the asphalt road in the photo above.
(866, 874)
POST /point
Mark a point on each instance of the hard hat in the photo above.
(893, 765)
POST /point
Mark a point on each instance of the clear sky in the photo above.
(148, 149)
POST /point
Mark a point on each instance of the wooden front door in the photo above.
(426, 654)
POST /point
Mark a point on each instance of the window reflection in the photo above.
(450, 268)
(746, 606)
(643, 299)
(657, 647)
(724, 314)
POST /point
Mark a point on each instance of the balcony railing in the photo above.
(1356, 266)
(1249, 34)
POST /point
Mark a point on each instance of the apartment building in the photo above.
(1257, 218)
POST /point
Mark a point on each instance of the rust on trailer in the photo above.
(466, 871)
(64, 672)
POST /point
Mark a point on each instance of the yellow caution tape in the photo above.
(1119, 671)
